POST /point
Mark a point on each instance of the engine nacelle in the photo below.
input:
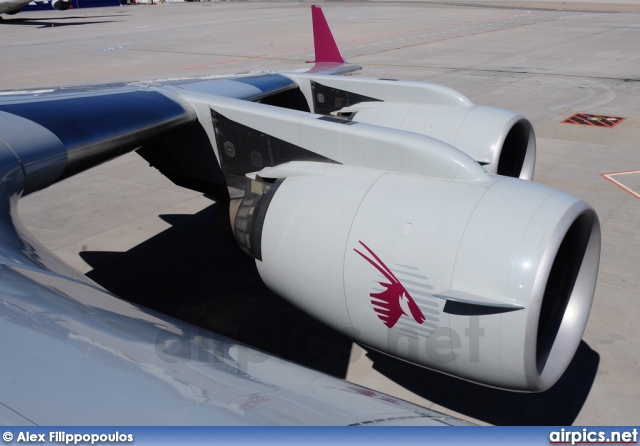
(501, 140)
(62, 5)
(490, 282)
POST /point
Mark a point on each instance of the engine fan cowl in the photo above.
(502, 275)
(502, 141)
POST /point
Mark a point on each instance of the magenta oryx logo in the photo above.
(395, 300)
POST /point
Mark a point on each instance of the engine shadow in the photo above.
(190, 272)
(558, 406)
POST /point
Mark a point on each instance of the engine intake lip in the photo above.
(517, 155)
(562, 296)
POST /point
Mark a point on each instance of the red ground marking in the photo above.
(608, 122)
(607, 176)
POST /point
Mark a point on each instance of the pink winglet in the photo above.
(325, 45)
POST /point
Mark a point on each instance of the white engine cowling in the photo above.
(490, 282)
(502, 141)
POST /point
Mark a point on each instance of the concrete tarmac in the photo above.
(154, 243)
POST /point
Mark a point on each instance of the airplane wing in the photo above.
(490, 276)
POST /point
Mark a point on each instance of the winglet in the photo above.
(325, 44)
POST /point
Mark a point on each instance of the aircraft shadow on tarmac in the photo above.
(558, 406)
(191, 272)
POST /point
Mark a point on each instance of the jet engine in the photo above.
(502, 141)
(62, 5)
(492, 283)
